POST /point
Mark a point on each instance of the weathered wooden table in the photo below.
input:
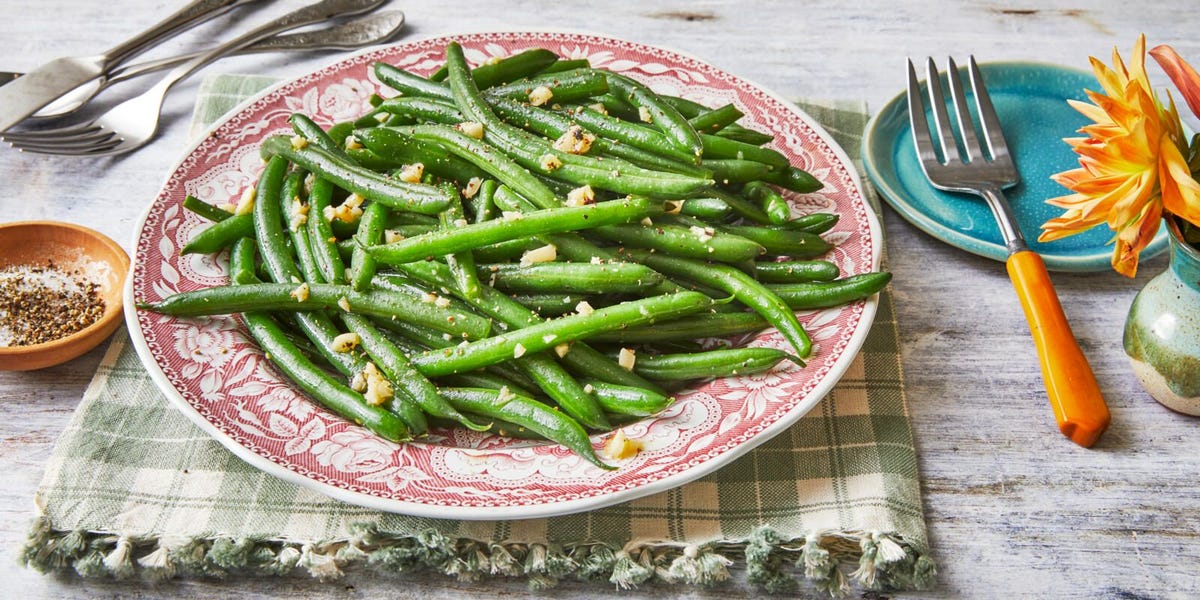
(1013, 508)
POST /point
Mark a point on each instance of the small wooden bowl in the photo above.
(70, 247)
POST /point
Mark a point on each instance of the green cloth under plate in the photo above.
(834, 500)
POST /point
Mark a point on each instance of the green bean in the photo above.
(742, 286)
(826, 294)
(404, 401)
(817, 223)
(716, 146)
(204, 209)
(394, 150)
(529, 413)
(320, 233)
(627, 133)
(605, 278)
(693, 110)
(531, 152)
(278, 296)
(554, 124)
(398, 194)
(553, 220)
(508, 250)
(740, 206)
(628, 400)
(708, 209)
(307, 129)
(721, 324)
(308, 377)
(796, 180)
(732, 170)
(664, 116)
(795, 271)
(487, 159)
(772, 203)
(482, 206)
(461, 263)
(783, 242)
(702, 243)
(409, 84)
(410, 383)
(220, 235)
(290, 204)
(506, 69)
(565, 86)
(552, 305)
(708, 364)
(370, 232)
(547, 334)
(716, 119)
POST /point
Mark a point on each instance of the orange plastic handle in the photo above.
(1074, 394)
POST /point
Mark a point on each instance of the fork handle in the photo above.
(1074, 394)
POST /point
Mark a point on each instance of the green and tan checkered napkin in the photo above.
(134, 489)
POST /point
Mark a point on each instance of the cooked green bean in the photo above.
(204, 209)
(702, 243)
(729, 362)
(320, 296)
(415, 197)
(795, 271)
(721, 324)
(552, 220)
(817, 223)
(221, 235)
(742, 286)
(825, 294)
(628, 400)
(661, 114)
(526, 412)
(772, 203)
(370, 232)
(320, 232)
(582, 278)
(782, 241)
(547, 334)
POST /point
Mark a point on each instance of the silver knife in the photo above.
(39, 87)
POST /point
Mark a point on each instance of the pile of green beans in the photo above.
(531, 247)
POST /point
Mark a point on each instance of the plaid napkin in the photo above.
(133, 490)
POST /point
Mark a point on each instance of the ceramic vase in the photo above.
(1162, 331)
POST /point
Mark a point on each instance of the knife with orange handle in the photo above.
(1074, 394)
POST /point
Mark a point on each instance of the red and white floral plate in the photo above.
(223, 382)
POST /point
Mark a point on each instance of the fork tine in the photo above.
(992, 132)
(50, 134)
(93, 150)
(71, 146)
(917, 120)
(940, 117)
(99, 134)
(966, 127)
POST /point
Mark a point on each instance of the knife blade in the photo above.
(39, 87)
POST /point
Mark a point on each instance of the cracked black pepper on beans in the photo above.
(41, 304)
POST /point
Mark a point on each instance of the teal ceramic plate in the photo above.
(1030, 99)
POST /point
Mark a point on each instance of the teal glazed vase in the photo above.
(1162, 332)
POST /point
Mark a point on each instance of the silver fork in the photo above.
(1074, 394)
(133, 123)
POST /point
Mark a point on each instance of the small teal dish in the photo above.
(1030, 99)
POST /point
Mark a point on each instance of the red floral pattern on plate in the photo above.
(222, 381)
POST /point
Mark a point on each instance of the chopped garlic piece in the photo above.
(672, 207)
(543, 254)
(353, 200)
(300, 293)
(703, 233)
(511, 215)
(504, 396)
(647, 222)
(599, 107)
(344, 304)
(298, 215)
(620, 446)
(391, 236)
(412, 173)
(644, 115)
(581, 196)
(562, 349)
(472, 188)
(379, 389)
(540, 95)
(596, 260)
(626, 358)
(383, 117)
(549, 162)
(493, 60)
(299, 142)
(442, 302)
(358, 383)
(584, 308)
(352, 143)
(589, 388)
(345, 342)
(246, 202)
(549, 337)
(575, 140)
(518, 351)
(471, 129)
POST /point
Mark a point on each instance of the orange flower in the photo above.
(1132, 165)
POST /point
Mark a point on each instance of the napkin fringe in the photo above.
(830, 561)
